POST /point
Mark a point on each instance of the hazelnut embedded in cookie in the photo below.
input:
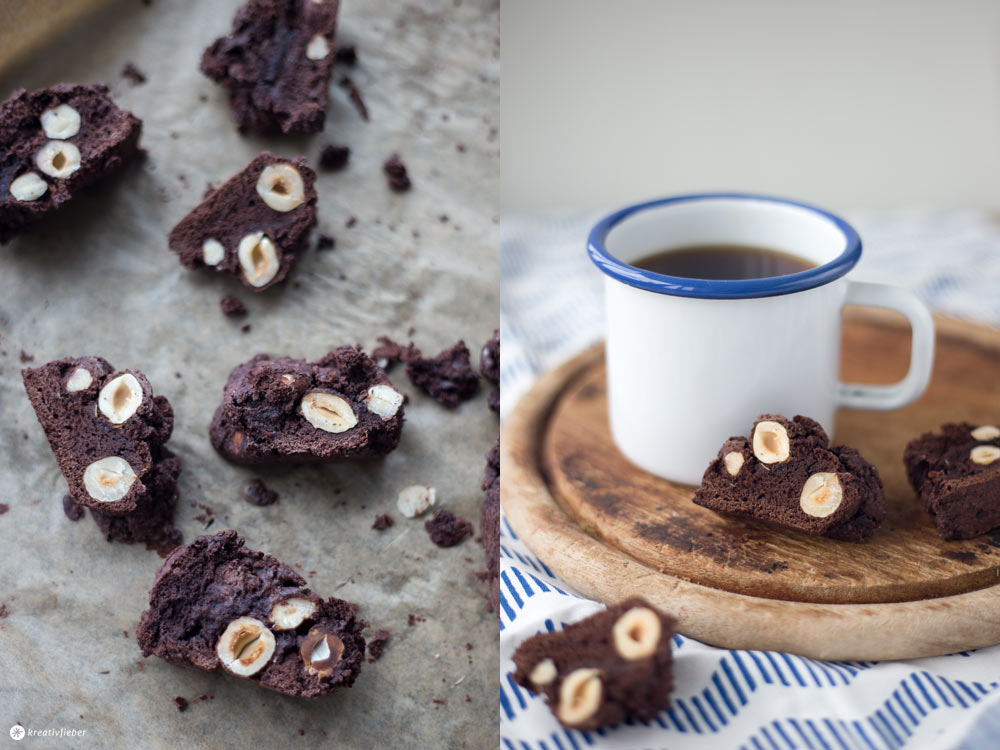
(109, 479)
(579, 696)
(770, 442)
(328, 412)
(637, 633)
(821, 495)
(245, 647)
(120, 398)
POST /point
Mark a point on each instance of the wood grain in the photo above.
(611, 530)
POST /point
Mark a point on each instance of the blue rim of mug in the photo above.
(713, 289)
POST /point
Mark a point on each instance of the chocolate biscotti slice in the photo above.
(254, 226)
(106, 429)
(600, 670)
(786, 473)
(956, 472)
(215, 603)
(490, 523)
(288, 410)
(276, 64)
(55, 142)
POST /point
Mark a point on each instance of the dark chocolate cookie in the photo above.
(55, 142)
(788, 474)
(253, 227)
(490, 523)
(105, 428)
(291, 411)
(956, 472)
(600, 670)
(215, 603)
(276, 64)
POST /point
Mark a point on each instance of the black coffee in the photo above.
(718, 262)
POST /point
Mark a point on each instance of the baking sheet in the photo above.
(98, 279)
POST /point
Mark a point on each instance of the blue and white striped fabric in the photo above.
(550, 310)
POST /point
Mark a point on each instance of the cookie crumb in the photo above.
(396, 173)
(346, 55)
(382, 522)
(376, 646)
(326, 242)
(25, 357)
(446, 529)
(352, 91)
(448, 377)
(245, 328)
(135, 76)
(334, 157)
(256, 492)
(181, 702)
(232, 307)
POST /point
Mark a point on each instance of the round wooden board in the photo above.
(611, 530)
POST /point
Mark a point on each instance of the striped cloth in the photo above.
(551, 309)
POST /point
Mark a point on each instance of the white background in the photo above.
(847, 104)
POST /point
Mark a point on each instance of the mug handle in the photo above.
(909, 389)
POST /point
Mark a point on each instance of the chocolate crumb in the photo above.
(4, 508)
(181, 703)
(352, 91)
(73, 511)
(325, 242)
(204, 697)
(301, 732)
(245, 328)
(256, 492)
(448, 378)
(376, 646)
(105, 671)
(124, 634)
(232, 306)
(468, 698)
(389, 353)
(468, 646)
(460, 147)
(346, 55)
(334, 157)
(135, 76)
(446, 529)
(395, 171)
(351, 221)
(25, 357)
(3, 611)
(382, 522)
(440, 701)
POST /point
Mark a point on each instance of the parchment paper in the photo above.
(98, 279)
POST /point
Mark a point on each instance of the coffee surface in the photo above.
(723, 262)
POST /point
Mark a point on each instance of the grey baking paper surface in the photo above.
(98, 279)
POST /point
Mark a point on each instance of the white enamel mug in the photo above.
(692, 362)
